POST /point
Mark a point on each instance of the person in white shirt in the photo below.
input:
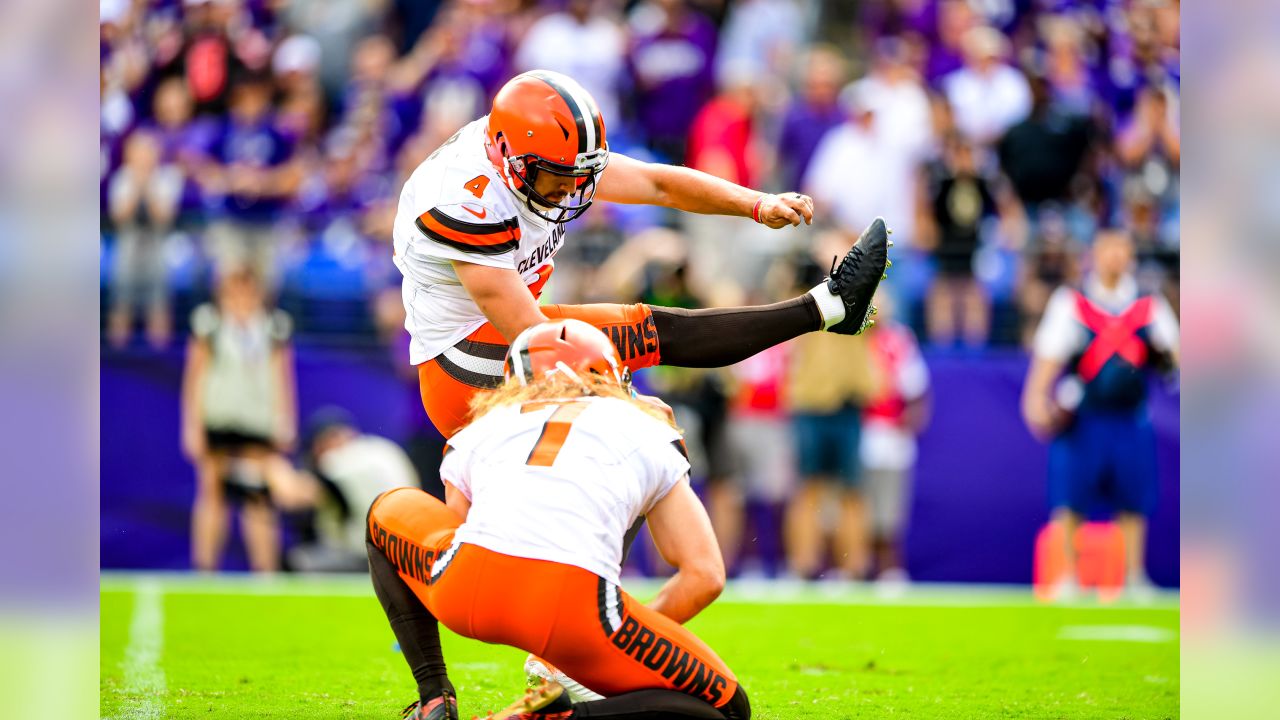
(987, 96)
(346, 471)
(866, 140)
(541, 489)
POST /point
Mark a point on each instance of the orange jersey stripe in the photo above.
(484, 238)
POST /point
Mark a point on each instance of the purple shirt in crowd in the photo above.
(181, 146)
(260, 145)
(672, 72)
(803, 127)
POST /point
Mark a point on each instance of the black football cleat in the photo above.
(444, 707)
(858, 275)
(547, 701)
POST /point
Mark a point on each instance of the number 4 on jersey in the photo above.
(554, 431)
(476, 185)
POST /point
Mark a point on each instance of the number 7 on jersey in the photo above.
(554, 431)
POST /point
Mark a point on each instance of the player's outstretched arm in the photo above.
(683, 536)
(634, 182)
(502, 296)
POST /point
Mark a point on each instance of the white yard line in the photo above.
(144, 681)
(1118, 633)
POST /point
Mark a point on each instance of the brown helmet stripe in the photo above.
(579, 118)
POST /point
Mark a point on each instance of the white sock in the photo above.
(829, 304)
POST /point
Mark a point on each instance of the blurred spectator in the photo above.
(144, 198)
(1145, 39)
(840, 180)
(412, 18)
(209, 50)
(1157, 252)
(763, 457)
(239, 414)
(1050, 261)
(1150, 146)
(475, 46)
(1044, 154)
(333, 202)
(881, 18)
(760, 39)
(347, 471)
(894, 416)
(723, 142)
(323, 37)
(828, 381)
(302, 111)
(586, 42)
(182, 139)
(1068, 76)
(959, 201)
(904, 120)
(946, 43)
(122, 71)
(381, 104)
(1086, 393)
(903, 125)
(987, 95)
(438, 74)
(670, 61)
(296, 64)
(721, 139)
(300, 118)
(858, 174)
(708, 396)
(250, 174)
(814, 111)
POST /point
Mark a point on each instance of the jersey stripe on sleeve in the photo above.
(482, 238)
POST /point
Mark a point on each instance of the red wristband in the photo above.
(755, 209)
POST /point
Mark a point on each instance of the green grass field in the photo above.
(315, 648)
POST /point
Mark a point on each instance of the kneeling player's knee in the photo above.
(738, 707)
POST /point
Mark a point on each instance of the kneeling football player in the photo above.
(541, 489)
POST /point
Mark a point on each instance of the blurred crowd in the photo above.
(996, 137)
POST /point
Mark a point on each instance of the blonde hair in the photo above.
(561, 387)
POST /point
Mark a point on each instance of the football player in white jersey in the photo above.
(481, 219)
(541, 489)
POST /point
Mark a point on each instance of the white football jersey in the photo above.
(563, 480)
(456, 206)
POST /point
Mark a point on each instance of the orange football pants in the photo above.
(447, 390)
(581, 623)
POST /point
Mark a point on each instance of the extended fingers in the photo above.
(804, 205)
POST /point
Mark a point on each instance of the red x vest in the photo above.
(1112, 335)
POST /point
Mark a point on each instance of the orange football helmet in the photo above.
(567, 346)
(542, 121)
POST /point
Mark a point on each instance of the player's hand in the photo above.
(659, 404)
(1045, 419)
(786, 209)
